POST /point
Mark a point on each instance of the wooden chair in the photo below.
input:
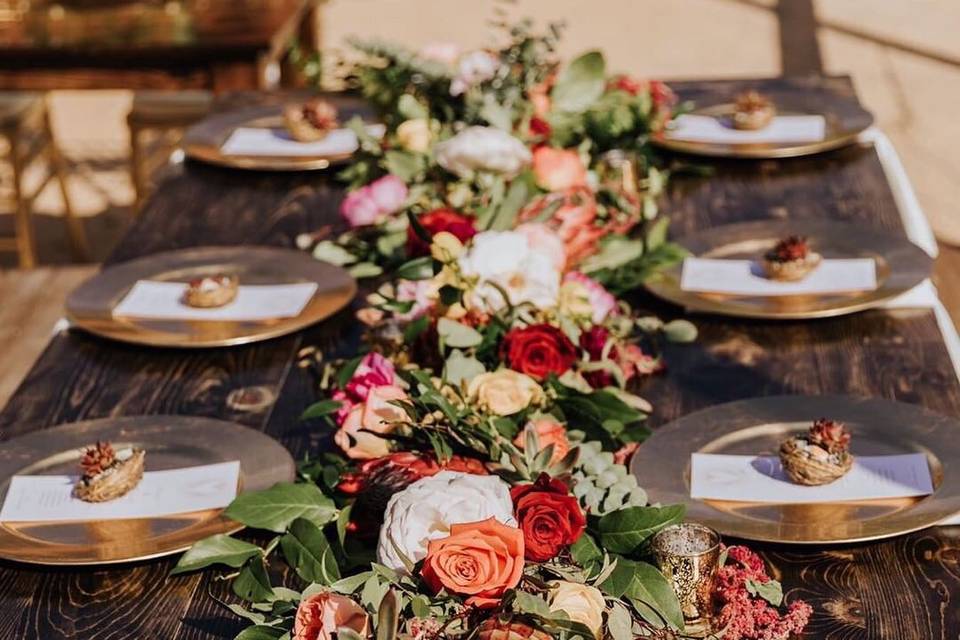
(25, 124)
(164, 114)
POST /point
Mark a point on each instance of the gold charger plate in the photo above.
(842, 128)
(757, 426)
(90, 306)
(171, 442)
(203, 141)
(901, 265)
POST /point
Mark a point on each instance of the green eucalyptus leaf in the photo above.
(614, 253)
(403, 164)
(625, 531)
(365, 270)
(410, 108)
(320, 409)
(417, 269)
(517, 196)
(680, 331)
(528, 603)
(460, 368)
(455, 334)
(275, 508)
(771, 591)
(619, 622)
(580, 84)
(307, 550)
(329, 251)
(217, 549)
(657, 234)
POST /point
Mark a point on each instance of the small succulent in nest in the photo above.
(310, 121)
(107, 474)
(752, 111)
(790, 259)
(818, 457)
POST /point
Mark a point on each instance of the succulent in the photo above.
(830, 435)
(601, 484)
(96, 459)
(789, 249)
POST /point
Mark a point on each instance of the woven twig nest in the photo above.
(310, 121)
(810, 464)
(115, 479)
(752, 111)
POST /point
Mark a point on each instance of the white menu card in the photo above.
(762, 479)
(164, 300)
(159, 493)
(783, 129)
(746, 277)
(254, 141)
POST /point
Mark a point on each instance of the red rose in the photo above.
(436, 221)
(549, 517)
(538, 350)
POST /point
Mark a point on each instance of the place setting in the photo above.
(210, 297)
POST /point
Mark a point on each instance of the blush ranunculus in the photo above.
(480, 560)
(357, 435)
(602, 302)
(374, 202)
(551, 519)
(538, 350)
(461, 226)
(321, 614)
(558, 169)
(373, 371)
(549, 432)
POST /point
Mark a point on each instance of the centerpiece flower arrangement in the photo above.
(491, 139)
(475, 483)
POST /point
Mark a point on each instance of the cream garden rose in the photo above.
(505, 392)
(426, 510)
(482, 149)
(581, 602)
(415, 135)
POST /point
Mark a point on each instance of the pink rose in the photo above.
(357, 435)
(558, 169)
(373, 371)
(422, 293)
(541, 239)
(320, 615)
(601, 300)
(374, 202)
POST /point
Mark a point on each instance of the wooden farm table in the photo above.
(905, 589)
(149, 44)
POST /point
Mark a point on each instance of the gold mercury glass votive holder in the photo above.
(687, 554)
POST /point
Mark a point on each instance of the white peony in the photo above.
(510, 260)
(426, 509)
(472, 69)
(482, 149)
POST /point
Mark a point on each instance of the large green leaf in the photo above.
(275, 508)
(644, 584)
(218, 549)
(253, 583)
(261, 632)
(309, 553)
(626, 530)
(580, 84)
(614, 253)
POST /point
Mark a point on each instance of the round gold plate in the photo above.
(203, 141)
(842, 129)
(90, 306)
(757, 426)
(901, 265)
(171, 442)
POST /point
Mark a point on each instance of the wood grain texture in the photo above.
(907, 588)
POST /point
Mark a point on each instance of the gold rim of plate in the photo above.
(758, 425)
(171, 442)
(90, 306)
(203, 141)
(901, 265)
(841, 130)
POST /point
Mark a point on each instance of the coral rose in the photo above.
(436, 221)
(480, 560)
(551, 519)
(321, 614)
(558, 169)
(581, 602)
(376, 415)
(504, 392)
(549, 432)
(538, 350)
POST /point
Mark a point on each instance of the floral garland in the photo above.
(478, 486)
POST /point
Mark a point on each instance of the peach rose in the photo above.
(376, 415)
(320, 615)
(478, 559)
(548, 431)
(558, 169)
(573, 221)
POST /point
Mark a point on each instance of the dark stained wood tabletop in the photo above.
(82, 44)
(907, 588)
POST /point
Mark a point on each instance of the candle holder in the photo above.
(687, 554)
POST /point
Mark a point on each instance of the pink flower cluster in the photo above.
(366, 409)
(747, 617)
(601, 300)
(374, 202)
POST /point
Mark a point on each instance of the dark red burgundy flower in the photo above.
(433, 223)
(538, 350)
(789, 249)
